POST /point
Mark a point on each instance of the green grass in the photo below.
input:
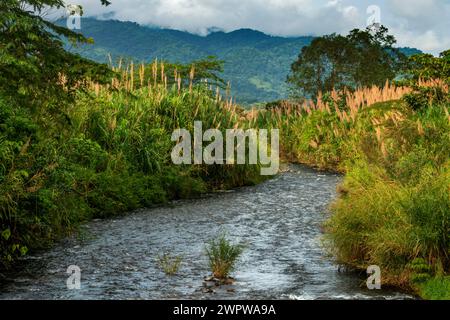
(169, 264)
(437, 288)
(222, 256)
(395, 204)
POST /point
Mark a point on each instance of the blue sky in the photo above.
(423, 24)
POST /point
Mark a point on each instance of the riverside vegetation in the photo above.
(393, 144)
(394, 204)
(106, 153)
(79, 140)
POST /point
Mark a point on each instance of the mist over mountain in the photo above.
(256, 64)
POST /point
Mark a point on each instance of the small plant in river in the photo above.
(222, 256)
(169, 264)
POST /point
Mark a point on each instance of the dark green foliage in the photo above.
(68, 154)
(37, 202)
(428, 67)
(322, 66)
(424, 97)
(376, 60)
(435, 71)
(360, 59)
(32, 56)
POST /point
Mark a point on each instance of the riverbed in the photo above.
(279, 222)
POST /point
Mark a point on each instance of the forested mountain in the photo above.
(256, 64)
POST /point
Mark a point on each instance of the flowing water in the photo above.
(279, 222)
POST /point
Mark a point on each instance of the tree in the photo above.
(376, 59)
(322, 66)
(428, 67)
(362, 58)
(33, 61)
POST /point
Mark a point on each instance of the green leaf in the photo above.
(6, 234)
(23, 250)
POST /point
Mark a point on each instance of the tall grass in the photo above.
(329, 132)
(394, 204)
(105, 154)
(169, 264)
(222, 256)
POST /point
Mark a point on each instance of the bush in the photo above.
(425, 97)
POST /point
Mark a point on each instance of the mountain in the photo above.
(256, 64)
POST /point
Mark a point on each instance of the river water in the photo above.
(278, 221)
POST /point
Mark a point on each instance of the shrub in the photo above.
(425, 97)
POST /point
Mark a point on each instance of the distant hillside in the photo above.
(256, 64)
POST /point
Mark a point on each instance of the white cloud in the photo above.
(420, 23)
(428, 41)
(423, 24)
(414, 8)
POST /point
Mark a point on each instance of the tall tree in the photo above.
(323, 65)
(376, 59)
(362, 58)
(33, 61)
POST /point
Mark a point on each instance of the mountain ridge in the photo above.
(256, 64)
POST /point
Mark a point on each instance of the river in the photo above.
(278, 221)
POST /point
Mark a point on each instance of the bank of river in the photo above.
(279, 221)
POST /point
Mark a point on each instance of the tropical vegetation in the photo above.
(82, 140)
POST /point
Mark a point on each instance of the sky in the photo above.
(422, 24)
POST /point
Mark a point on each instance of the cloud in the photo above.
(419, 23)
(423, 24)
